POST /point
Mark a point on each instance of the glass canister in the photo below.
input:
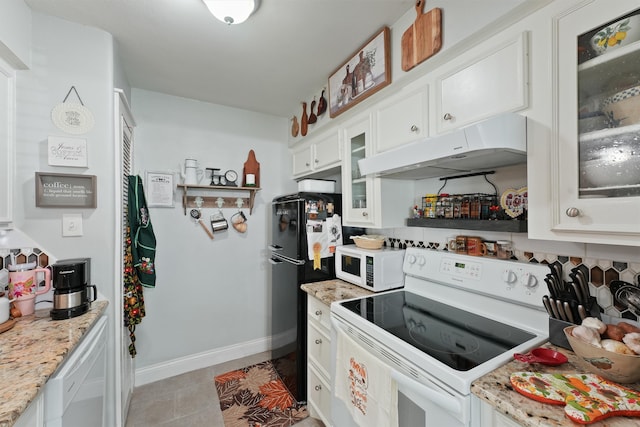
(474, 207)
(465, 208)
(447, 206)
(457, 206)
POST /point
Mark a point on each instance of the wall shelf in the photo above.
(189, 201)
(509, 226)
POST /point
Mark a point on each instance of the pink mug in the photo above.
(24, 281)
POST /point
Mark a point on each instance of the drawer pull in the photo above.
(448, 116)
(318, 312)
(318, 387)
(414, 128)
(318, 341)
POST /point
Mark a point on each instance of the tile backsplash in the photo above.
(599, 271)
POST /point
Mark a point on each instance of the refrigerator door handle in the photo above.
(275, 247)
(275, 261)
(282, 258)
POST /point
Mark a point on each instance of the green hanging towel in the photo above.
(143, 241)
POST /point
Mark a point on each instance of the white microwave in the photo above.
(376, 270)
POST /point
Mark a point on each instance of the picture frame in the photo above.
(159, 189)
(64, 190)
(366, 72)
(65, 151)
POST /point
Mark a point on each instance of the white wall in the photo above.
(210, 294)
(15, 33)
(64, 55)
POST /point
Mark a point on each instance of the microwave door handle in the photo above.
(425, 396)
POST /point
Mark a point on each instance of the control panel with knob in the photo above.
(519, 281)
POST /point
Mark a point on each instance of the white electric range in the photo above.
(457, 318)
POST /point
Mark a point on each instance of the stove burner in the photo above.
(367, 307)
(422, 337)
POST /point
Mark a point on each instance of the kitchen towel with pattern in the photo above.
(364, 384)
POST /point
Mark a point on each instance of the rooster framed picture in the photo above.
(367, 71)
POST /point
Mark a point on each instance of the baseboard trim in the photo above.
(171, 368)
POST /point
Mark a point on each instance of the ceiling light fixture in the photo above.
(232, 11)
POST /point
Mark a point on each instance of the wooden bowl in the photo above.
(621, 368)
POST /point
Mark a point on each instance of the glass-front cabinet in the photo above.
(597, 122)
(356, 188)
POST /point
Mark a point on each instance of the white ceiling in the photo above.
(268, 64)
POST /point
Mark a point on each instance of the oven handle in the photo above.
(424, 396)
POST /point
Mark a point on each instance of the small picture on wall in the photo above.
(64, 151)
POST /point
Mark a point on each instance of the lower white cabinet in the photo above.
(33, 416)
(319, 360)
(490, 417)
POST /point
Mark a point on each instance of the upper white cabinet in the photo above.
(595, 151)
(7, 142)
(368, 201)
(402, 118)
(491, 83)
(318, 154)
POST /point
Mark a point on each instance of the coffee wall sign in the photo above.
(62, 190)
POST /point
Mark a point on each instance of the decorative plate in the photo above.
(72, 118)
(514, 202)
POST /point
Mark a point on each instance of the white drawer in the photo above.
(319, 348)
(319, 311)
(319, 394)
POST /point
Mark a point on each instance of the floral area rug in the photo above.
(256, 396)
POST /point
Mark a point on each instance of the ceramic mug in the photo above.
(26, 304)
(25, 282)
(504, 249)
(476, 247)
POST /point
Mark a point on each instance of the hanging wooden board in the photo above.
(251, 166)
(423, 39)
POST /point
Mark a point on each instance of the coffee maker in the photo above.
(71, 278)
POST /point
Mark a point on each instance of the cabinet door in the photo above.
(327, 151)
(494, 84)
(402, 119)
(33, 416)
(357, 195)
(595, 157)
(302, 161)
(7, 141)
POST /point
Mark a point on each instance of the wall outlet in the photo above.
(71, 225)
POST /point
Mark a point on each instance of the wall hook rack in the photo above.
(192, 192)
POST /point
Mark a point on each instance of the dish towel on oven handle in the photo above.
(364, 384)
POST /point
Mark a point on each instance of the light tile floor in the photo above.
(188, 400)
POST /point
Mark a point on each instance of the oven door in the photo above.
(421, 400)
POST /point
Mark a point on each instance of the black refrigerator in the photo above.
(294, 217)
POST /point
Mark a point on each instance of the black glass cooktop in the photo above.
(457, 338)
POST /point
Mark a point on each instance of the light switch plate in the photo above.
(71, 225)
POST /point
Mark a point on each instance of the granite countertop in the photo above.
(495, 388)
(332, 290)
(31, 352)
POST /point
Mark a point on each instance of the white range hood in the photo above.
(499, 141)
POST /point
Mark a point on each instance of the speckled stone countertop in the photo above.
(495, 388)
(31, 352)
(329, 291)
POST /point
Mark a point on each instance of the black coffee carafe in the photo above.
(71, 278)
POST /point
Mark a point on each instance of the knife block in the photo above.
(556, 326)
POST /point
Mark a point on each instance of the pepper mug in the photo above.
(476, 247)
(24, 281)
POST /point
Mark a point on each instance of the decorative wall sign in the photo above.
(159, 192)
(514, 202)
(365, 73)
(72, 117)
(63, 151)
(63, 190)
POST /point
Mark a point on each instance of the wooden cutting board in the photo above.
(423, 39)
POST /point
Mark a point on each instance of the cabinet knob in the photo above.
(365, 214)
(318, 341)
(317, 161)
(414, 128)
(573, 212)
(307, 164)
(318, 312)
(448, 116)
(318, 387)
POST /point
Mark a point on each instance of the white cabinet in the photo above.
(402, 118)
(7, 142)
(318, 154)
(319, 360)
(595, 173)
(491, 417)
(492, 83)
(33, 416)
(369, 201)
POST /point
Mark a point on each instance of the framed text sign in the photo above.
(63, 190)
(63, 151)
(159, 192)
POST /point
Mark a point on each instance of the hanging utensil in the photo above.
(322, 104)
(312, 117)
(304, 120)
(195, 214)
(295, 127)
